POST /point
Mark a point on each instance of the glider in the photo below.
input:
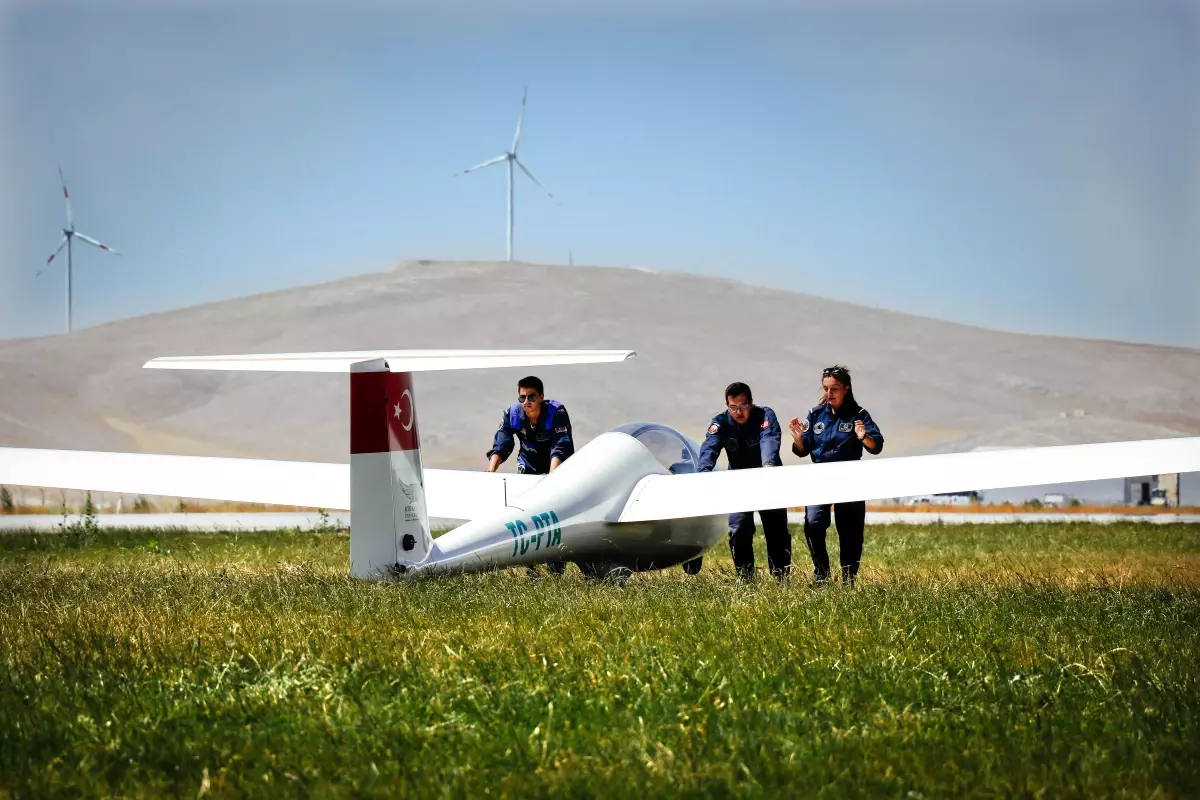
(629, 500)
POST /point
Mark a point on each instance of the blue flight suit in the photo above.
(549, 439)
(752, 445)
(829, 436)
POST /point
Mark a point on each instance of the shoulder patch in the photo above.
(714, 428)
(804, 425)
(766, 423)
(561, 429)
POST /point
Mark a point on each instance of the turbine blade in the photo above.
(535, 180)
(487, 163)
(101, 245)
(66, 197)
(520, 121)
(57, 250)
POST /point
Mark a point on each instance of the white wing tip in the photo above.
(401, 360)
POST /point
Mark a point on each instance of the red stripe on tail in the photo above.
(383, 413)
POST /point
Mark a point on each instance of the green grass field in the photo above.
(971, 660)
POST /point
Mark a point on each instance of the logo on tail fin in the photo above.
(396, 410)
(408, 489)
(410, 492)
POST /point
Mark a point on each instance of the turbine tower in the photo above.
(511, 157)
(70, 233)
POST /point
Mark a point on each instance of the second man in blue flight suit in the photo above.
(544, 429)
(750, 436)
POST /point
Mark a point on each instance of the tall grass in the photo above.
(989, 660)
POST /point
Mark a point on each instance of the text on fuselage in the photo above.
(545, 524)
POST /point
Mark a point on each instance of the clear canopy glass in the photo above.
(671, 448)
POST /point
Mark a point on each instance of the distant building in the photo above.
(1138, 489)
(1157, 490)
(944, 499)
(1054, 499)
(1169, 486)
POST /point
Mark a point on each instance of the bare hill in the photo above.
(931, 385)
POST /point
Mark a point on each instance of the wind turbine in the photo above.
(70, 233)
(511, 157)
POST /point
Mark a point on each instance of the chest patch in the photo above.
(731, 444)
(819, 428)
(804, 426)
(845, 427)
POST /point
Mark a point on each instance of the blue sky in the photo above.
(1023, 166)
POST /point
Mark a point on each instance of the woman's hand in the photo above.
(860, 430)
(797, 431)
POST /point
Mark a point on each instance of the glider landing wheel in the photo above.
(612, 573)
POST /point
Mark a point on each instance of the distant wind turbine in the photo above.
(70, 233)
(511, 158)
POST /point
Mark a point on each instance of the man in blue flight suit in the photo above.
(544, 429)
(750, 436)
(838, 429)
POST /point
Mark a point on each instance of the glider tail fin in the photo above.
(389, 518)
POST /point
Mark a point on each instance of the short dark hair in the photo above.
(531, 382)
(736, 388)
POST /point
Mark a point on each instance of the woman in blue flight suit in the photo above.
(838, 429)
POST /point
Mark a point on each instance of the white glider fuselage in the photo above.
(571, 514)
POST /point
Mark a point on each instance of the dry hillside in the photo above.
(931, 385)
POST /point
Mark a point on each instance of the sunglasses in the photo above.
(833, 372)
(522, 398)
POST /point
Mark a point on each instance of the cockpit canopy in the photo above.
(669, 447)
